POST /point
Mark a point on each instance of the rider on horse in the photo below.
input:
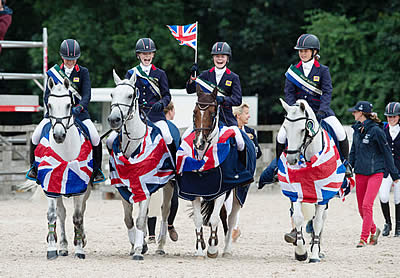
(227, 81)
(311, 81)
(79, 76)
(152, 84)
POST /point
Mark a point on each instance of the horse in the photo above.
(310, 161)
(63, 144)
(135, 132)
(206, 184)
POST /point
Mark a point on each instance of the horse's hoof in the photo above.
(63, 253)
(212, 256)
(227, 255)
(137, 257)
(160, 252)
(144, 249)
(80, 256)
(301, 258)
(52, 255)
(314, 260)
(321, 255)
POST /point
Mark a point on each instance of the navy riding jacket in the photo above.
(146, 95)
(320, 75)
(230, 83)
(254, 139)
(370, 152)
(80, 77)
(394, 145)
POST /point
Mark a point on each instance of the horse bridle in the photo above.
(130, 111)
(60, 119)
(307, 137)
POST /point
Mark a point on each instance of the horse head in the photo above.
(301, 126)
(205, 117)
(124, 101)
(59, 107)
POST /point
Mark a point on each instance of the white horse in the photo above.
(64, 139)
(206, 129)
(305, 137)
(125, 117)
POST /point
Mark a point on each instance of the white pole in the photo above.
(44, 64)
(197, 43)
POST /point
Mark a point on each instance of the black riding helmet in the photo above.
(145, 45)
(392, 109)
(307, 41)
(70, 50)
(221, 48)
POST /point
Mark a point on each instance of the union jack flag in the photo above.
(187, 157)
(148, 169)
(59, 177)
(185, 34)
(316, 181)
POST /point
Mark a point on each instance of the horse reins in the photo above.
(60, 119)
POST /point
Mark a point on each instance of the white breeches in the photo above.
(111, 138)
(331, 120)
(384, 190)
(163, 126)
(94, 135)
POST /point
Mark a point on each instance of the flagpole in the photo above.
(197, 42)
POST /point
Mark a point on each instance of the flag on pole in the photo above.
(185, 34)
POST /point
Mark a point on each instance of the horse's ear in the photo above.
(132, 80)
(50, 83)
(66, 83)
(214, 93)
(199, 91)
(117, 80)
(284, 104)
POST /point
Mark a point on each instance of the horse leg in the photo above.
(61, 214)
(130, 225)
(212, 251)
(231, 224)
(77, 219)
(317, 226)
(198, 222)
(140, 230)
(300, 252)
(52, 234)
(168, 191)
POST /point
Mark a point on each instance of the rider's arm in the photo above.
(236, 98)
(191, 84)
(326, 88)
(85, 90)
(290, 92)
(164, 89)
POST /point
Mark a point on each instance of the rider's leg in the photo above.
(166, 134)
(397, 205)
(110, 139)
(34, 142)
(280, 142)
(384, 192)
(342, 139)
(97, 150)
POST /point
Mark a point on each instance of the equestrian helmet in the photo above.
(221, 48)
(145, 45)
(392, 109)
(70, 50)
(307, 41)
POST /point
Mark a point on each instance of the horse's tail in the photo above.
(207, 208)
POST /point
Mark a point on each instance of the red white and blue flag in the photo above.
(185, 34)
(60, 177)
(149, 167)
(316, 181)
(187, 157)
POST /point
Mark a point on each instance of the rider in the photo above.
(392, 130)
(224, 78)
(311, 81)
(79, 75)
(152, 84)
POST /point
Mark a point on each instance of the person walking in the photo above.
(370, 156)
(392, 132)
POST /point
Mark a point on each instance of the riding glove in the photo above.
(77, 110)
(220, 99)
(157, 107)
(320, 115)
(194, 70)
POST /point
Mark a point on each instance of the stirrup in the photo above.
(98, 176)
(32, 173)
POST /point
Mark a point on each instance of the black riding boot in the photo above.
(173, 150)
(32, 174)
(397, 230)
(388, 223)
(97, 159)
(344, 147)
(279, 149)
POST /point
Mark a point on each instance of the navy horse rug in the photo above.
(230, 163)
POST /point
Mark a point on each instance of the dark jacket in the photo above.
(147, 97)
(253, 138)
(394, 146)
(370, 152)
(80, 77)
(320, 75)
(230, 83)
